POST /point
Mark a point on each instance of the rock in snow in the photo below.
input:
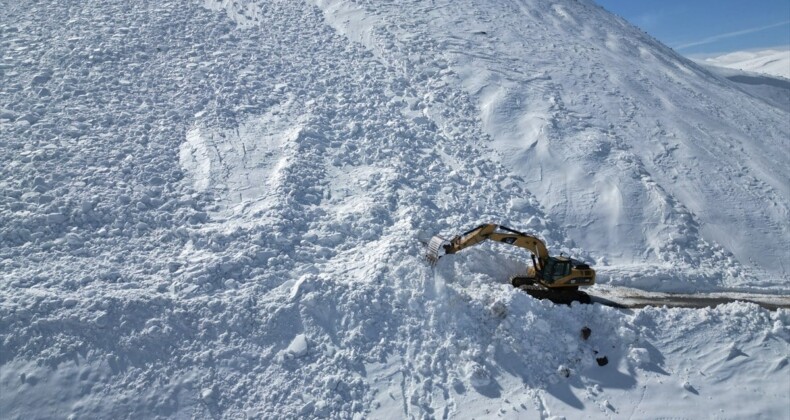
(190, 190)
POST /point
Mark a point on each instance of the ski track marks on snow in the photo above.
(214, 210)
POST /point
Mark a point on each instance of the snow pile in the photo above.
(771, 62)
(216, 211)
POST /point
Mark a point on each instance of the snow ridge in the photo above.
(774, 62)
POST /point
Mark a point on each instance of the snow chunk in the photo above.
(564, 371)
(298, 346)
(477, 375)
(733, 351)
(639, 356)
(41, 78)
(301, 286)
(207, 394)
(690, 388)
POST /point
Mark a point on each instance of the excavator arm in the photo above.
(488, 231)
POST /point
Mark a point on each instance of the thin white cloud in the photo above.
(730, 35)
(648, 20)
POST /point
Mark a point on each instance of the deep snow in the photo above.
(216, 209)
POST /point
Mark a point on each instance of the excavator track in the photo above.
(563, 296)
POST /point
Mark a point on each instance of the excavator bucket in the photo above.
(435, 249)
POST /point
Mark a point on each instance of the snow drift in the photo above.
(216, 210)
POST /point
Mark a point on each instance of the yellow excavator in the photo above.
(555, 278)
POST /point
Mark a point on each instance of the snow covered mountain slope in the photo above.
(774, 90)
(641, 155)
(215, 210)
(774, 62)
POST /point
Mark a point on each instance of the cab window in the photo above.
(556, 270)
(562, 269)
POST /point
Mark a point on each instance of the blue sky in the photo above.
(701, 27)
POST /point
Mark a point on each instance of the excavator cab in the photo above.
(556, 268)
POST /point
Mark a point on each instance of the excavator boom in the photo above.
(488, 231)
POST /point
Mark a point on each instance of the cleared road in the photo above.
(633, 298)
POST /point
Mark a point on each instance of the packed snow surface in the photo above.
(217, 209)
